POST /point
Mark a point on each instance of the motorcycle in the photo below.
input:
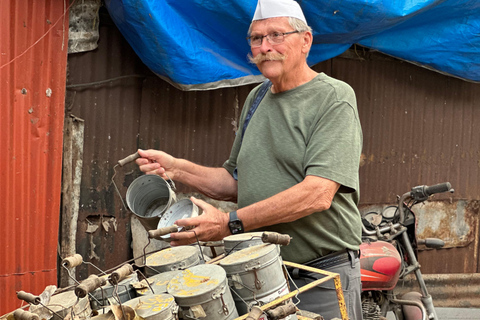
(388, 254)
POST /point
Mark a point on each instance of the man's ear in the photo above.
(307, 41)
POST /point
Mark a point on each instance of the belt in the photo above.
(329, 260)
(333, 259)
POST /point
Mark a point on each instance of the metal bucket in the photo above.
(202, 292)
(148, 197)
(105, 294)
(154, 307)
(241, 241)
(256, 276)
(158, 283)
(171, 259)
(184, 208)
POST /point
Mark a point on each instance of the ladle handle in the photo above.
(156, 234)
(128, 159)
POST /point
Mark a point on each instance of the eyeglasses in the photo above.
(273, 38)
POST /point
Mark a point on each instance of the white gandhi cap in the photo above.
(278, 8)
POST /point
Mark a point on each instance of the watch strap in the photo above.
(235, 224)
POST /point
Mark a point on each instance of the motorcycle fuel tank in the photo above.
(380, 265)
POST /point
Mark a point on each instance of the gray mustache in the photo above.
(269, 56)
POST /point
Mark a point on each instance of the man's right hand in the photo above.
(156, 162)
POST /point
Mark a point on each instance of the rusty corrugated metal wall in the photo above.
(111, 114)
(33, 55)
(418, 129)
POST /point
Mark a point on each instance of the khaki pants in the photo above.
(323, 298)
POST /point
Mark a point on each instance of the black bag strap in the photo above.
(261, 93)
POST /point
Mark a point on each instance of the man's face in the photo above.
(293, 48)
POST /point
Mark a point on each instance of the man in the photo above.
(296, 162)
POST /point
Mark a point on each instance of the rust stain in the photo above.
(452, 221)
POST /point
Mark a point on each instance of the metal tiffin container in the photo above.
(158, 283)
(154, 307)
(237, 242)
(255, 274)
(171, 259)
(202, 292)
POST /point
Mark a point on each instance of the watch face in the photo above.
(235, 226)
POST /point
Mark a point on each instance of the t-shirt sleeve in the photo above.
(335, 145)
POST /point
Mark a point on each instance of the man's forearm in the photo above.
(314, 194)
(216, 183)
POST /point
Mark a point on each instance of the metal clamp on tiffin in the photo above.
(89, 285)
(255, 313)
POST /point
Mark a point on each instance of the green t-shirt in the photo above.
(312, 129)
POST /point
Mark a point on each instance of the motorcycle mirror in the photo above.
(433, 243)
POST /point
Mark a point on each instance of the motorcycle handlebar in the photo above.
(438, 188)
(421, 193)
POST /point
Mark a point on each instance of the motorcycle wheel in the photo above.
(412, 312)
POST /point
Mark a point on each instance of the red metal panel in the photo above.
(33, 54)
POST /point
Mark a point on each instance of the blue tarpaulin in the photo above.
(200, 44)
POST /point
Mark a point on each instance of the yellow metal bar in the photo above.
(336, 279)
(328, 276)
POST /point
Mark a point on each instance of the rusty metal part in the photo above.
(449, 290)
(28, 297)
(20, 314)
(88, 285)
(328, 276)
(412, 303)
(73, 146)
(73, 261)
(276, 238)
(282, 311)
(156, 234)
(120, 274)
(255, 313)
(128, 159)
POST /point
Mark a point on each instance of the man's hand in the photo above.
(156, 162)
(212, 225)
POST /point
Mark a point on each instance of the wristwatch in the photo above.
(235, 224)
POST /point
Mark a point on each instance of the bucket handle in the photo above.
(123, 162)
(134, 157)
